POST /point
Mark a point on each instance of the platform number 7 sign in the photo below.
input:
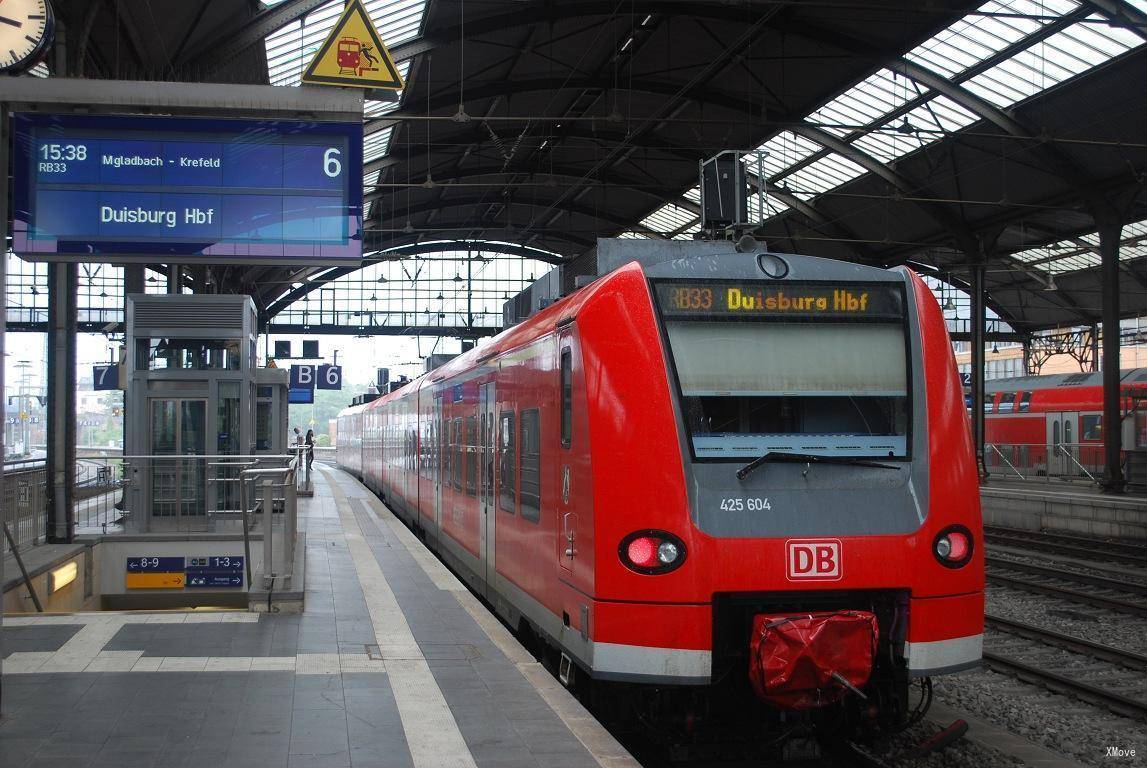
(330, 377)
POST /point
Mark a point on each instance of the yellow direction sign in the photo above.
(354, 55)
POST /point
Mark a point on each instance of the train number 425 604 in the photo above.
(740, 505)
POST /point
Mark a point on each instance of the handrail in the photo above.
(1005, 458)
(1067, 452)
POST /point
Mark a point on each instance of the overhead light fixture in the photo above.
(457, 278)
(906, 128)
(1050, 286)
(950, 304)
(373, 297)
(440, 297)
(995, 348)
(382, 279)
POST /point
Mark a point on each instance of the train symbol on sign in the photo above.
(355, 57)
(814, 559)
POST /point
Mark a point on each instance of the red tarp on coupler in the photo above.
(792, 658)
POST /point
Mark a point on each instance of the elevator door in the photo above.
(178, 483)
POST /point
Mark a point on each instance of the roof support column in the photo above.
(60, 519)
(1109, 234)
(979, 320)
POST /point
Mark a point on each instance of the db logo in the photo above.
(814, 559)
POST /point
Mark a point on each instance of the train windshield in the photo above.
(827, 384)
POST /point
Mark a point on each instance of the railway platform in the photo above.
(391, 663)
(1055, 505)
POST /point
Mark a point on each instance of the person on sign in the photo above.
(366, 54)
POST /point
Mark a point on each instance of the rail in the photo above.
(1011, 466)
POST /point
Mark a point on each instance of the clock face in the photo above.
(25, 30)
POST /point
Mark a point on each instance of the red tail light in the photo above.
(651, 552)
(953, 546)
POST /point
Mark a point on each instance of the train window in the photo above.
(1067, 432)
(989, 402)
(1055, 436)
(567, 397)
(1091, 427)
(1007, 402)
(507, 464)
(819, 387)
(531, 466)
(456, 441)
(444, 437)
(1025, 402)
(471, 455)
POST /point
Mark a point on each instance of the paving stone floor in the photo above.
(254, 690)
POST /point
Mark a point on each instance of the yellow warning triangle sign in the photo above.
(353, 54)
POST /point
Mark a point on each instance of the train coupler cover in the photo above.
(813, 659)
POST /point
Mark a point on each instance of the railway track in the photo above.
(1074, 546)
(1099, 674)
(1050, 582)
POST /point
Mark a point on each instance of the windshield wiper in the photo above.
(807, 458)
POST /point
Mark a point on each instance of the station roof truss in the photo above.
(934, 135)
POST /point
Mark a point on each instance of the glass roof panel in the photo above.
(821, 176)
(785, 150)
(923, 125)
(1049, 62)
(876, 95)
(669, 218)
(988, 30)
(1074, 254)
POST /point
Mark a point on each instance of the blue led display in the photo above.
(112, 188)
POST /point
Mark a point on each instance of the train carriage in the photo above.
(682, 467)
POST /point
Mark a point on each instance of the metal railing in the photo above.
(1067, 462)
(136, 494)
(270, 502)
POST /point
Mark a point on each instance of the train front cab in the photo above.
(877, 391)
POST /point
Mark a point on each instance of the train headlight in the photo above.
(953, 546)
(651, 552)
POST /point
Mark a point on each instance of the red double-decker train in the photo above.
(1053, 424)
(749, 473)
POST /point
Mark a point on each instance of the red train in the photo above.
(1054, 424)
(696, 476)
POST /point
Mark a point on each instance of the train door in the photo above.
(487, 419)
(567, 512)
(439, 449)
(1062, 443)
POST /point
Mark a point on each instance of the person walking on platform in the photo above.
(309, 444)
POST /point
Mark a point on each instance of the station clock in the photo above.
(25, 33)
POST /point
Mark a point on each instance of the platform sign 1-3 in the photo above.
(114, 188)
(215, 571)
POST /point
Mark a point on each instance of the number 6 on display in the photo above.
(331, 165)
(330, 377)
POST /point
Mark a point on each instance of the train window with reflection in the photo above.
(1007, 402)
(567, 397)
(1091, 427)
(471, 453)
(1025, 402)
(456, 440)
(507, 463)
(797, 386)
(531, 466)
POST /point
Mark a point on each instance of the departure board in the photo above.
(725, 300)
(114, 188)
